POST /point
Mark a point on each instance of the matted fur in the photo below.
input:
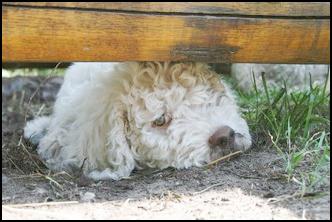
(103, 118)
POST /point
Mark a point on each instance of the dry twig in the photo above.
(223, 158)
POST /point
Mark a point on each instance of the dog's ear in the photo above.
(120, 160)
(119, 154)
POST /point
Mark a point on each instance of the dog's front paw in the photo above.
(105, 174)
(48, 149)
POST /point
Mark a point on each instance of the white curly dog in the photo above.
(110, 118)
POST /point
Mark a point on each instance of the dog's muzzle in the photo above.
(222, 142)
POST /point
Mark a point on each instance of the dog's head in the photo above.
(180, 115)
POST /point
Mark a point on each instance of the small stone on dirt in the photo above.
(48, 199)
(84, 181)
(40, 190)
(88, 196)
(5, 179)
(268, 195)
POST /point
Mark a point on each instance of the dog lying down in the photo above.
(110, 118)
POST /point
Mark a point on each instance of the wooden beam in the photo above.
(52, 34)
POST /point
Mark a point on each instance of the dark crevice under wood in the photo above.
(152, 13)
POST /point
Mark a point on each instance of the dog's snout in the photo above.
(222, 137)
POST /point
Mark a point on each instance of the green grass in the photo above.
(33, 72)
(297, 125)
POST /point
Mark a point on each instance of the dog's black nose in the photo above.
(224, 136)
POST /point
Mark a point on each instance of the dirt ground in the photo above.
(250, 186)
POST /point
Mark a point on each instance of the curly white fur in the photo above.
(102, 118)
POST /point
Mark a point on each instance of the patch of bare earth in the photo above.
(250, 186)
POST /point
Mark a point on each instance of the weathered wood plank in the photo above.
(290, 9)
(51, 35)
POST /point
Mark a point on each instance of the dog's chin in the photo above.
(220, 151)
(234, 145)
(217, 154)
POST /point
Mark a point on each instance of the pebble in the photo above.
(41, 191)
(84, 181)
(268, 195)
(88, 196)
(5, 179)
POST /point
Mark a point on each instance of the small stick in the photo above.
(214, 185)
(222, 158)
(30, 155)
(40, 204)
(15, 165)
(38, 88)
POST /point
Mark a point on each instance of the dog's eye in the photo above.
(163, 120)
(160, 121)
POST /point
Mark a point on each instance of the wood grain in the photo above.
(290, 9)
(52, 35)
